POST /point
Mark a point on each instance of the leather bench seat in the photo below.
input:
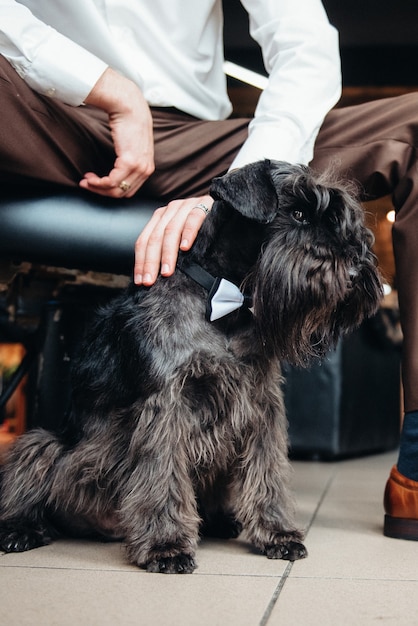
(73, 230)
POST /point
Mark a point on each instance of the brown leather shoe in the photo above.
(401, 507)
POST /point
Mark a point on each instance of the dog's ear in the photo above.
(254, 189)
(249, 190)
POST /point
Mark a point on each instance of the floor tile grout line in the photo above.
(276, 594)
(134, 571)
(352, 579)
(320, 502)
(279, 587)
(275, 597)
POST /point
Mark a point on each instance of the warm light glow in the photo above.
(390, 216)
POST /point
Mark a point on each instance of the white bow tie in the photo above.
(224, 297)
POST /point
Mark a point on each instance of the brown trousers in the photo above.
(45, 143)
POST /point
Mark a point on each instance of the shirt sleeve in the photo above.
(49, 62)
(301, 55)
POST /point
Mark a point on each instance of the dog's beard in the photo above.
(304, 301)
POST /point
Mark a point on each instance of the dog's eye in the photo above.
(299, 216)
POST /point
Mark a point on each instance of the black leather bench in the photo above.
(73, 230)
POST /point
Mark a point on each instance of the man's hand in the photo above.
(172, 227)
(130, 123)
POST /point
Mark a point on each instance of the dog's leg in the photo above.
(25, 487)
(158, 509)
(265, 505)
(260, 483)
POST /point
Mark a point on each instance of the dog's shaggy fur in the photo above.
(177, 424)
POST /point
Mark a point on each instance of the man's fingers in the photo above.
(115, 185)
(171, 227)
(148, 248)
(131, 127)
(194, 221)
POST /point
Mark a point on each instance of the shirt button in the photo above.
(50, 92)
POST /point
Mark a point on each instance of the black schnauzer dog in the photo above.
(177, 422)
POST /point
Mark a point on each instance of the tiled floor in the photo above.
(353, 576)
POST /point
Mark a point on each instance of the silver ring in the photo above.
(203, 207)
(124, 186)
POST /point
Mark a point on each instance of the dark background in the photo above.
(379, 40)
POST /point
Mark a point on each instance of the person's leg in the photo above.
(376, 144)
(45, 143)
(190, 152)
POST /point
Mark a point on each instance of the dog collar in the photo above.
(223, 296)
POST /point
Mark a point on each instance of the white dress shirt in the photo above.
(173, 50)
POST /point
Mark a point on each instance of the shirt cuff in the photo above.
(62, 69)
(279, 141)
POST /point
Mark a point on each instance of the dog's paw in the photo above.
(16, 536)
(180, 564)
(288, 550)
